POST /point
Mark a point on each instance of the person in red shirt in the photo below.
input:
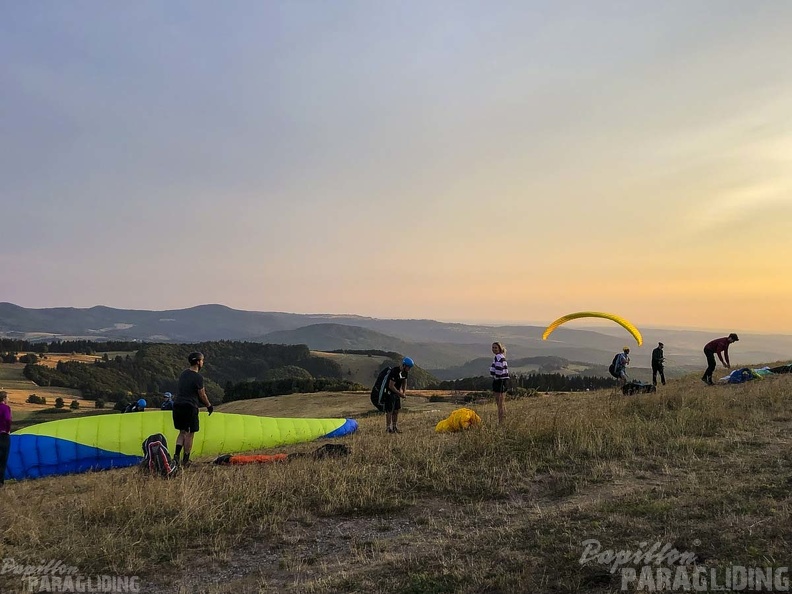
(720, 347)
(5, 434)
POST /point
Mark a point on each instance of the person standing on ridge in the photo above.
(499, 370)
(657, 364)
(620, 364)
(186, 404)
(397, 388)
(5, 434)
(716, 347)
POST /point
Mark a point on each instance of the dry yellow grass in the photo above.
(334, 404)
(497, 509)
(19, 388)
(52, 359)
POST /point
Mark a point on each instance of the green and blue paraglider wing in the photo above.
(114, 441)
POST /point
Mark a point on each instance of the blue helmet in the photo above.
(408, 362)
(141, 403)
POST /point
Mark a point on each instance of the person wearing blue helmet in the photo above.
(138, 406)
(397, 387)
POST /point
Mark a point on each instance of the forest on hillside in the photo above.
(155, 368)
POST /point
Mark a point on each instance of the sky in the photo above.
(488, 162)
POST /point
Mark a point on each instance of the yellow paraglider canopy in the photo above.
(595, 314)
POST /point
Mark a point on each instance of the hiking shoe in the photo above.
(389, 430)
(704, 379)
(396, 430)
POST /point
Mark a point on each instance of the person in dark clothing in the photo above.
(397, 386)
(657, 364)
(720, 347)
(186, 404)
(139, 406)
(5, 434)
(167, 404)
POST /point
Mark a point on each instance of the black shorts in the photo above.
(391, 401)
(185, 417)
(499, 386)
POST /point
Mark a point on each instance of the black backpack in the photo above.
(612, 369)
(378, 391)
(157, 460)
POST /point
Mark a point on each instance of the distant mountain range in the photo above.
(436, 345)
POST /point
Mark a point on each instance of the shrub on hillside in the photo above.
(74, 405)
(30, 358)
(59, 403)
(33, 399)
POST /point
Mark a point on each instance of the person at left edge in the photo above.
(5, 434)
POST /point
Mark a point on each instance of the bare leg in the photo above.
(499, 398)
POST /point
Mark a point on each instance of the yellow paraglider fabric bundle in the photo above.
(595, 314)
(460, 419)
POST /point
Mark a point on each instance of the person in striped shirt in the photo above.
(499, 370)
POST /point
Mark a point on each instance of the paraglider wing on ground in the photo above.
(113, 441)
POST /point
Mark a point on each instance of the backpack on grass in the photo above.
(638, 387)
(378, 391)
(613, 369)
(157, 460)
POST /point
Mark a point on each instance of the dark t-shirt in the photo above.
(657, 356)
(190, 383)
(399, 378)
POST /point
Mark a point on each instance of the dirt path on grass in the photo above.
(315, 555)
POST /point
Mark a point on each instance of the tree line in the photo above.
(541, 382)
(86, 347)
(155, 368)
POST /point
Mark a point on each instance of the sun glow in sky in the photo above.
(462, 161)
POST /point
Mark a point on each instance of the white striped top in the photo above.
(499, 368)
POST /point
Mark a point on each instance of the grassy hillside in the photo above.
(506, 509)
(330, 336)
(357, 368)
(338, 404)
(19, 388)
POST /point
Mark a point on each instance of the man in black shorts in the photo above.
(397, 385)
(186, 404)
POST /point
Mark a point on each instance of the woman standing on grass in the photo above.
(499, 370)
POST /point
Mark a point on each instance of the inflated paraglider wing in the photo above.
(595, 314)
(113, 441)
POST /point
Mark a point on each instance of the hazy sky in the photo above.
(462, 161)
